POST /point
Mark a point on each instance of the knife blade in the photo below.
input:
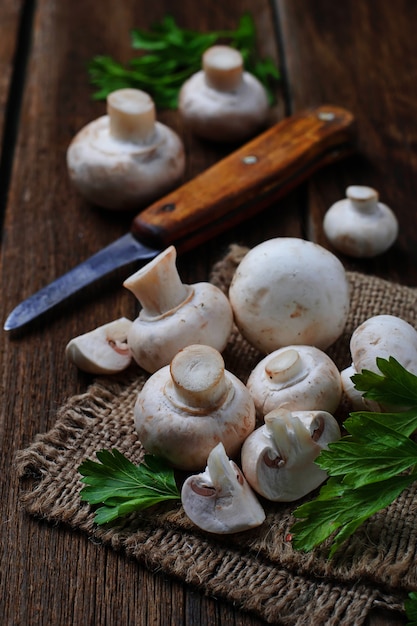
(236, 188)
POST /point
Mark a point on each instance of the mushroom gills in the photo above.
(278, 459)
(103, 350)
(219, 500)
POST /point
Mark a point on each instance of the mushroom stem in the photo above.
(223, 68)
(158, 286)
(132, 115)
(363, 199)
(284, 366)
(198, 376)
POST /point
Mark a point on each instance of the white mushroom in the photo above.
(184, 410)
(278, 458)
(219, 500)
(173, 314)
(379, 336)
(359, 225)
(125, 159)
(222, 102)
(103, 350)
(290, 291)
(295, 378)
(356, 400)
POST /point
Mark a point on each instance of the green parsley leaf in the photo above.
(369, 467)
(169, 55)
(410, 606)
(396, 386)
(121, 487)
(343, 507)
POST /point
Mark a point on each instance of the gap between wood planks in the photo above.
(14, 102)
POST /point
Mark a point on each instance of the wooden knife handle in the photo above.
(248, 180)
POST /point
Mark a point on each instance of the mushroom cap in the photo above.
(384, 336)
(219, 500)
(359, 225)
(224, 116)
(278, 458)
(103, 350)
(295, 378)
(205, 317)
(184, 432)
(288, 291)
(122, 175)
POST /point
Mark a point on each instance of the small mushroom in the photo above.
(185, 409)
(103, 350)
(278, 458)
(295, 378)
(125, 159)
(379, 336)
(222, 102)
(219, 500)
(359, 225)
(173, 314)
(288, 291)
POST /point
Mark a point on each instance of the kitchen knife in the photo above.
(234, 189)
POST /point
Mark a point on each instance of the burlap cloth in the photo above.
(258, 571)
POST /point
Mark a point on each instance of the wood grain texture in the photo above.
(360, 56)
(10, 15)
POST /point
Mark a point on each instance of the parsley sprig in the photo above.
(168, 55)
(370, 466)
(122, 487)
(410, 606)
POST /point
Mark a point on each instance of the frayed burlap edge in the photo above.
(257, 571)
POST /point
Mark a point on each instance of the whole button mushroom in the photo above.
(185, 409)
(278, 458)
(379, 336)
(288, 291)
(125, 159)
(295, 378)
(219, 500)
(173, 314)
(359, 225)
(222, 102)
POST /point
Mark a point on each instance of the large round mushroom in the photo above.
(290, 291)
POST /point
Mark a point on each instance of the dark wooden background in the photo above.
(360, 55)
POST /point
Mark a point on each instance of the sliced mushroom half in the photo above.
(219, 500)
(103, 350)
(278, 458)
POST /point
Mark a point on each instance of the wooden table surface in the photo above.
(356, 54)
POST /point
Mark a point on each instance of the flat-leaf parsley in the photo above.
(168, 55)
(369, 467)
(121, 487)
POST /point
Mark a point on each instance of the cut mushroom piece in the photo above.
(184, 410)
(173, 314)
(295, 378)
(219, 500)
(103, 350)
(360, 225)
(126, 159)
(380, 336)
(289, 291)
(278, 458)
(222, 102)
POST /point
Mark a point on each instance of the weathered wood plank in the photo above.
(12, 23)
(362, 57)
(54, 576)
